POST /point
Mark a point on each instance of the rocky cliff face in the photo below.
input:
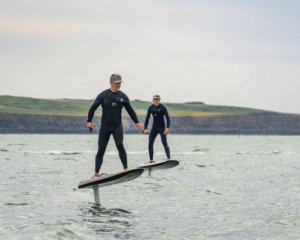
(259, 123)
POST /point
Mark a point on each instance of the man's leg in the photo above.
(152, 137)
(165, 143)
(102, 144)
(118, 137)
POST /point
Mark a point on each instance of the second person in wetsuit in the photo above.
(112, 101)
(159, 112)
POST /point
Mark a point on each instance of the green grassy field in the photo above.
(76, 107)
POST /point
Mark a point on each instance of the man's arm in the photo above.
(167, 117)
(131, 112)
(94, 106)
(147, 121)
(147, 118)
(168, 121)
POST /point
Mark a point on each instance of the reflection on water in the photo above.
(101, 220)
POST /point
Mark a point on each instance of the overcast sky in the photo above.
(230, 52)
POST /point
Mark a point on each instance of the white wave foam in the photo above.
(110, 153)
(59, 152)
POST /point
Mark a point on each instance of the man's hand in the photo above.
(138, 125)
(166, 131)
(89, 125)
(146, 131)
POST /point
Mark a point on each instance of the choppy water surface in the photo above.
(226, 187)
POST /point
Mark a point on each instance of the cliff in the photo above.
(255, 123)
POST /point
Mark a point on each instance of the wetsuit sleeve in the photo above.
(130, 110)
(94, 106)
(147, 118)
(167, 117)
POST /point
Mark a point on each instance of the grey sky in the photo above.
(240, 53)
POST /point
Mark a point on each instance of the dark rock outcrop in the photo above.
(258, 123)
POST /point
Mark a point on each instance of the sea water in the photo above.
(226, 187)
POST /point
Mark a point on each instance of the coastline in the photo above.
(266, 123)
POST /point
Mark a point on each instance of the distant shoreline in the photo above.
(172, 134)
(251, 124)
(21, 115)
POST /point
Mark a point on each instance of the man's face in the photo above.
(156, 101)
(115, 86)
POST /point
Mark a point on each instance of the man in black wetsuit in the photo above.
(158, 111)
(112, 101)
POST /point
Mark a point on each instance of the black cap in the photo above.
(156, 97)
(116, 78)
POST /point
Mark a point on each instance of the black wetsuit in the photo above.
(111, 122)
(158, 127)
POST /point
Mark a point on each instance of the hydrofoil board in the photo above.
(159, 165)
(110, 179)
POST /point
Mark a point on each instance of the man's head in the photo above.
(156, 100)
(115, 82)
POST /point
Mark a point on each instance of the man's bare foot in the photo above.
(95, 175)
(151, 161)
(125, 169)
